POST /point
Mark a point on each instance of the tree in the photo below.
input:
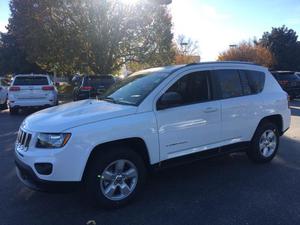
(283, 44)
(94, 36)
(249, 52)
(13, 59)
(187, 50)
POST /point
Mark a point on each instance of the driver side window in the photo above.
(190, 89)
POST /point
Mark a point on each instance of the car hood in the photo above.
(59, 118)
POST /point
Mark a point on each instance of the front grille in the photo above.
(23, 140)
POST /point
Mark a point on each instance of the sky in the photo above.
(216, 24)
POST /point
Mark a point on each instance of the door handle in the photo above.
(210, 110)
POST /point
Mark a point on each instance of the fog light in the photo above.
(43, 168)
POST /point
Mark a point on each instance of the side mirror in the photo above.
(169, 99)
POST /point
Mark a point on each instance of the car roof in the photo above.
(173, 68)
(282, 72)
(31, 75)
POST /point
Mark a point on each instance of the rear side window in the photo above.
(229, 83)
(252, 81)
(23, 81)
(256, 81)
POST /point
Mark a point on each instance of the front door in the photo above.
(193, 123)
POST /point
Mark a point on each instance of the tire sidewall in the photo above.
(255, 152)
(97, 167)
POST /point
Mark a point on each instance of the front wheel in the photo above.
(265, 143)
(115, 177)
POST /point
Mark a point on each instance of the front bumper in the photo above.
(29, 179)
(68, 163)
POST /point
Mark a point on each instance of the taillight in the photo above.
(86, 88)
(14, 88)
(48, 88)
(283, 82)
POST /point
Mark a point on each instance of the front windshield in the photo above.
(134, 89)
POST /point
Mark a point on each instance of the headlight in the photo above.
(46, 140)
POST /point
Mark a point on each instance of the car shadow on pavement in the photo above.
(231, 187)
(225, 190)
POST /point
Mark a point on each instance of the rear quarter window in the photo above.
(23, 81)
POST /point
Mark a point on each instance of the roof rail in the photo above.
(222, 62)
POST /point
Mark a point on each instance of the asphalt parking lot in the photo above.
(225, 190)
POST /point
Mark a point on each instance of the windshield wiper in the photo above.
(109, 99)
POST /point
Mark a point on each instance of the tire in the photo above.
(120, 187)
(264, 144)
(13, 111)
(74, 98)
(4, 105)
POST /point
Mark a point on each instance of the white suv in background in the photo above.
(3, 94)
(152, 119)
(31, 91)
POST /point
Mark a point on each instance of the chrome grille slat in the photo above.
(23, 140)
(28, 140)
(18, 137)
(22, 136)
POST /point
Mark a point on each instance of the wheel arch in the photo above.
(276, 119)
(137, 144)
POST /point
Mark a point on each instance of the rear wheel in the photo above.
(265, 143)
(115, 177)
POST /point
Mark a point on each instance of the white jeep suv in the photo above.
(152, 119)
(31, 91)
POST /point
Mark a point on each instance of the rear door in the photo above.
(31, 87)
(241, 103)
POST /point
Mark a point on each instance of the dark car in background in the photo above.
(289, 81)
(92, 86)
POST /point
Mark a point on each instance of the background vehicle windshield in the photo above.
(287, 76)
(23, 81)
(99, 80)
(134, 89)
